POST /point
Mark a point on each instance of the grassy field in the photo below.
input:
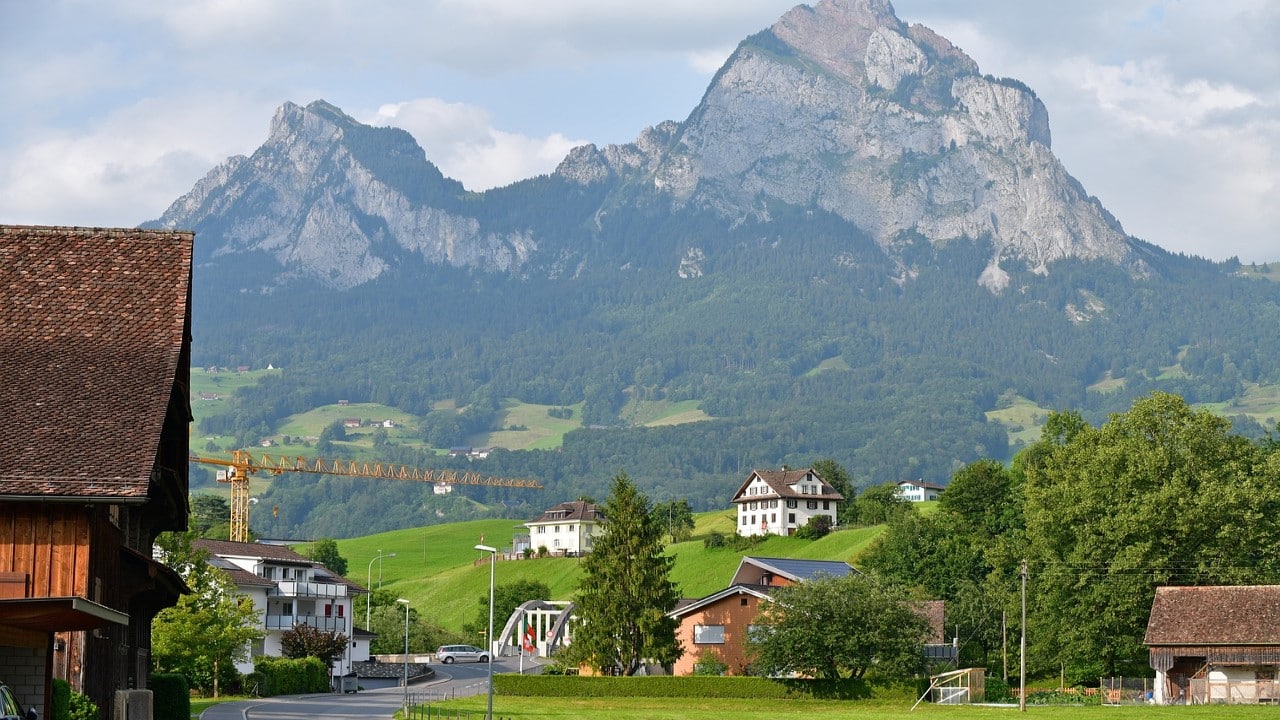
(535, 708)
(437, 566)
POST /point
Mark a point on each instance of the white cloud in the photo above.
(126, 169)
(461, 140)
(1144, 95)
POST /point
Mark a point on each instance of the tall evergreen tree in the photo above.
(626, 590)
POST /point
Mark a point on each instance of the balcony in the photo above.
(293, 588)
(319, 622)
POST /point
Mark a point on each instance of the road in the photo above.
(450, 681)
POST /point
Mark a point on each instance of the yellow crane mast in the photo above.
(243, 464)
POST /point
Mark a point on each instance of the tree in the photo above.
(325, 552)
(310, 641)
(837, 477)
(676, 517)
(506, 598)
(881, 503)
(209, 511)
(209, 630)
(626, 590)
(818, 527)
(1160, 495)
(839, 627)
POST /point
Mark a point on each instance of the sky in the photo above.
(1167, 110)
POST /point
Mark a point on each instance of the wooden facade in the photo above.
(95, 332)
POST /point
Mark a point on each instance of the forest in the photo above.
(912, 351)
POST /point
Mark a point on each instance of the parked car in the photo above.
(11, 709)
(461, 653)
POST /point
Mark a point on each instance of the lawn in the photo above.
(535, 708)
(437, 566)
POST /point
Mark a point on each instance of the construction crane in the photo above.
(242, 464)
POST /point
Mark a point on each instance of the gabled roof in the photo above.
(578, 510)
(1215, 615)
(228, 548)
(792, 569)
(923, 484)
(780, 482)
(688, 608)
(94, 332)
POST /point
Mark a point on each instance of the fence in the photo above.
(1233, 692)
(1127, 691)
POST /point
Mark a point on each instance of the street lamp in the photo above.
(493, 560)
(406, 654)
(368, 584)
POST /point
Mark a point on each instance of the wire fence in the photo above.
(1127, 690)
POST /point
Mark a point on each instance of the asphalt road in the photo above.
(457, 680)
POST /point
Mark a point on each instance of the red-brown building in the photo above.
(95, 336)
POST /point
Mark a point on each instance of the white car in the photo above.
(461, 653)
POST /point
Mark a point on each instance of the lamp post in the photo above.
(493, 560)
(406, 654)
(368, 584)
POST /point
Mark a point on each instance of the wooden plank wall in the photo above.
(49, 543)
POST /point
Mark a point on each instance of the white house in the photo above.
(919, 490)
(288, 589)
(778, 502)
(566, 529)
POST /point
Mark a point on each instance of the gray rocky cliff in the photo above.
(309, 200)
(841, 106)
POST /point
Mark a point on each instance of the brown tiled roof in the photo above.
(579, 510)
(780, 482)
(229, 548)
(1216, 615)
(94, 332)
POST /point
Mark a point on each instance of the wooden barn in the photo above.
(95, 332)
(1218, 644)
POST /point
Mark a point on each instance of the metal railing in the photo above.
(319, 622)
(295, 588)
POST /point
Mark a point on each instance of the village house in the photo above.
(566, 529)
(778, 502)
(919, 490)
(95, 331)
(288, 589)
(719, 623)
(1216, 644)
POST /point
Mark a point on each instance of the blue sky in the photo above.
(1168, 111)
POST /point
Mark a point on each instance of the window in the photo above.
(743, 602)
(557, 528)
(791, 518)
(812, 504)
(791, 503)
(826, 504)
(570, 528)
(708, 634)
(744, 519)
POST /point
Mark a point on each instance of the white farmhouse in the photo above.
(566, 529)
(778, 502)
(919, 490)
(288, 589)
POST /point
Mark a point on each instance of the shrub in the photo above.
(281, 676)
(60, 704)
(692, 686)
(818, 527)
(171, 696)
(714, 540)
(709, 663)
(82, 708)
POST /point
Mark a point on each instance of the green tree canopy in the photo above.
(209, 630)
(626, 590)
(676, 517)
(839, 478)
(506, 598)
(1160, 495)
(325, 552)
(839, 627)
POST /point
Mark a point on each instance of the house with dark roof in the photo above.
(779, 502)
(95, 332)
(718, 624)
(1216, 644)
(919, 490)
(567, 528)
(288, 590)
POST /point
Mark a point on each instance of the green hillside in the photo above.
(437, 567)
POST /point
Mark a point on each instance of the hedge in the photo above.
(171, 696)
(283, 676)
(701, 686)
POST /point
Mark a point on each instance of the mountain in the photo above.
(854, 247)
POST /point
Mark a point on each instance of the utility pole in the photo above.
(1022, 682)
(1004, 646)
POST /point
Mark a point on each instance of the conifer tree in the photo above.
(626, 590)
